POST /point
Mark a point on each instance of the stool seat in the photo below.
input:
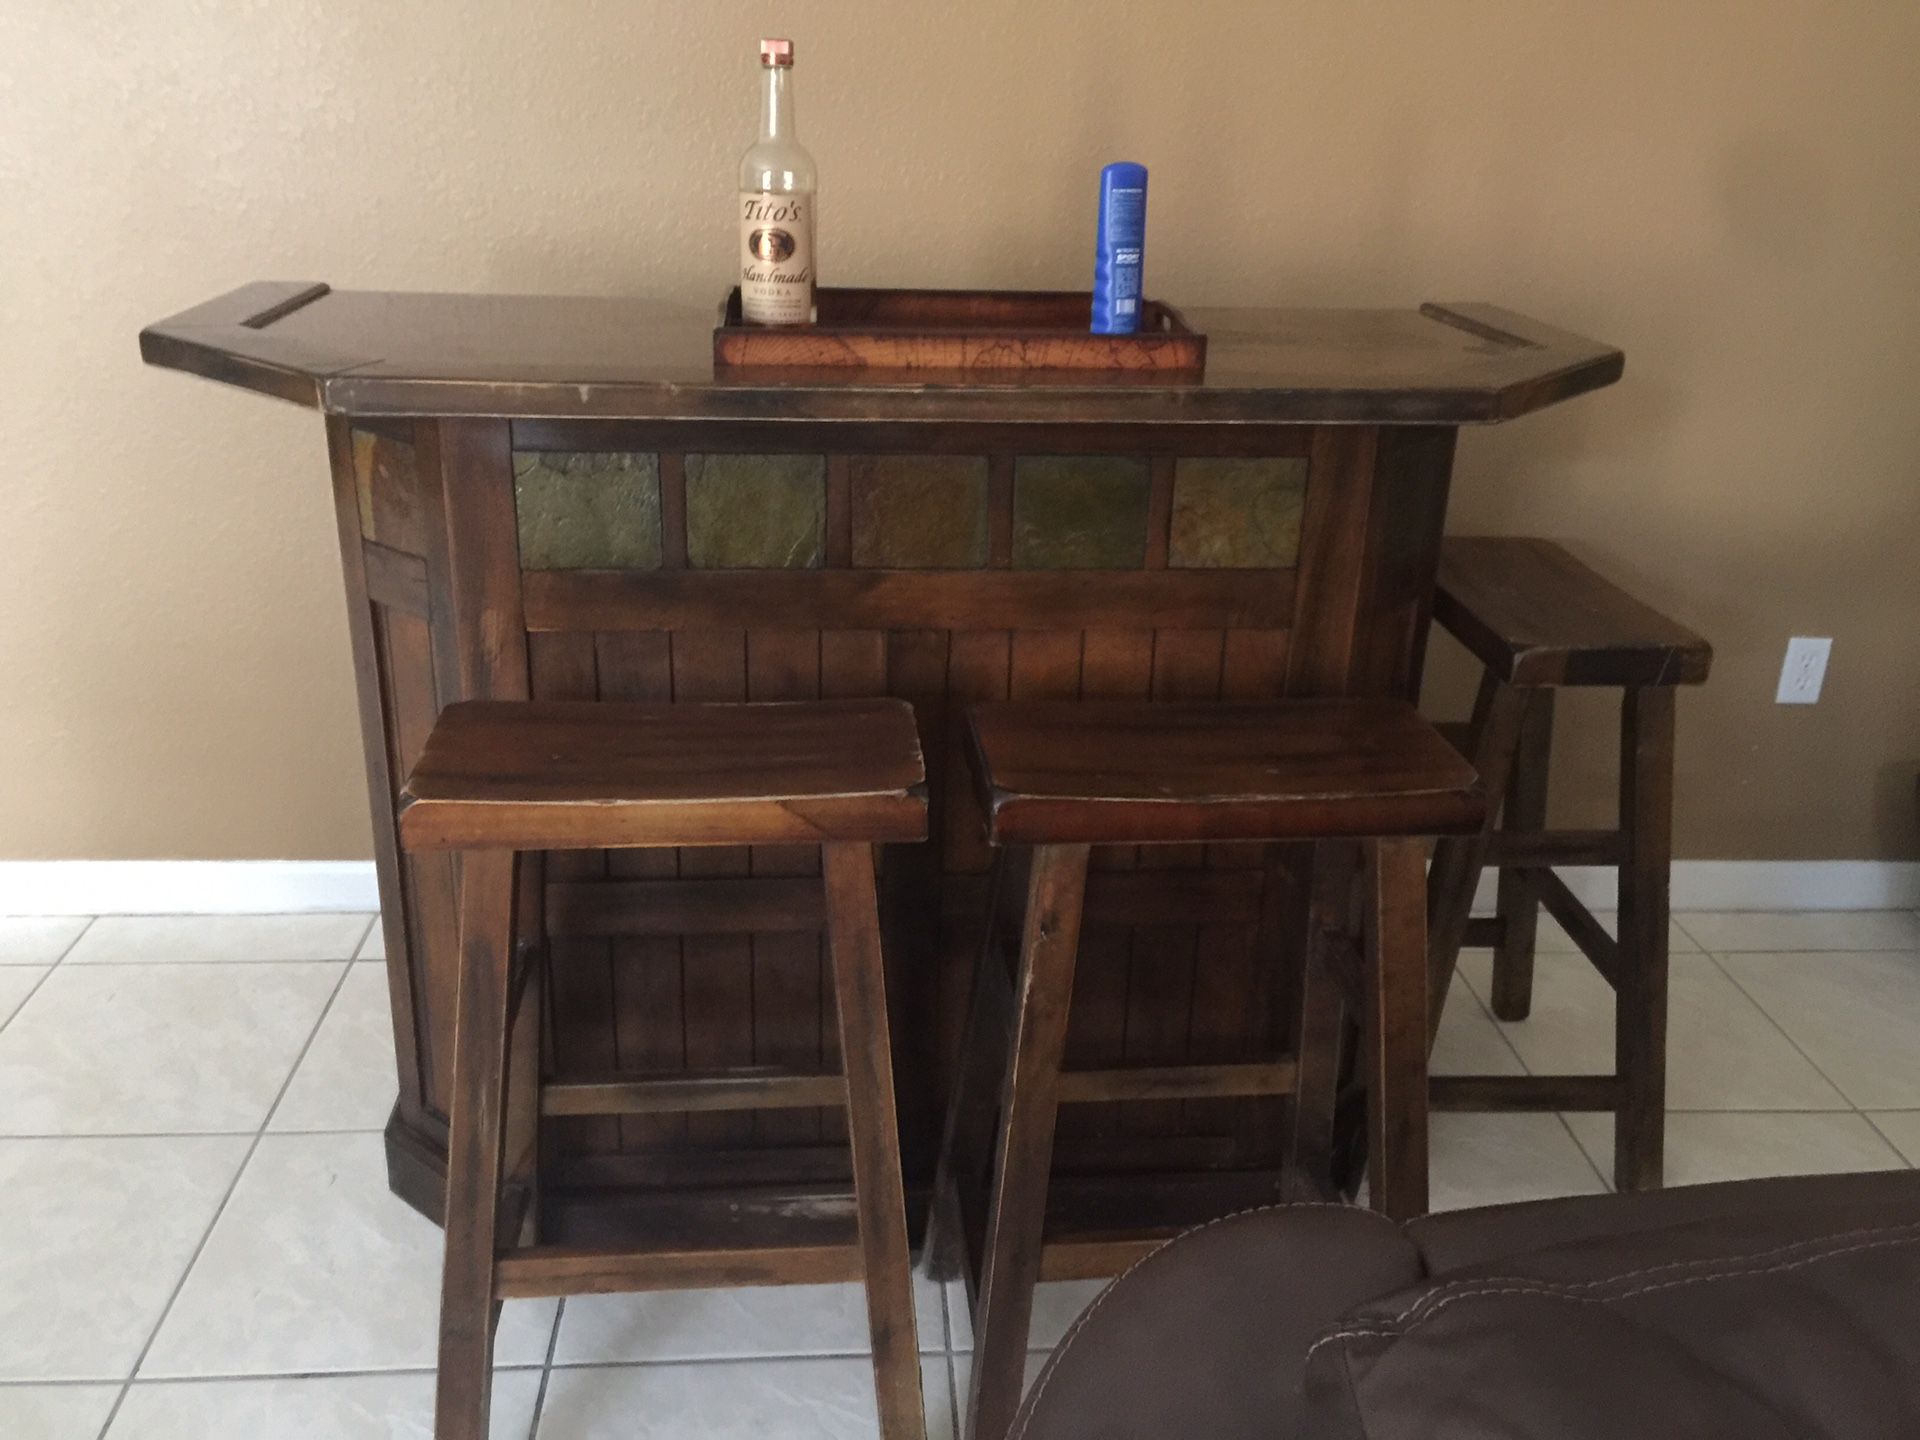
(1534, 615)
(1091, 772)
(555, 775)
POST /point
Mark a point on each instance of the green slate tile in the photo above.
(588, 510)
(364, 443)
(387, 485)
(919, 512)
(747, 512)
(1235, 514)
(1079, 512)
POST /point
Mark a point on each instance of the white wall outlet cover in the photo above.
(1803, 671)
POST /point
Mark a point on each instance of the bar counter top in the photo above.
(378, 353)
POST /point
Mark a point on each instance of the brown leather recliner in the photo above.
(1754, 1310)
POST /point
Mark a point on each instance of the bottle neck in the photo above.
(776, 102)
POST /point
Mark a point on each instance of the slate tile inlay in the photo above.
(1236, 514)
(583, 510)
(748, 512)
(387, 484)
(919, 512)
(1079, 512)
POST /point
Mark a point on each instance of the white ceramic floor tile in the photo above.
(1482, 1159)
(1856, 1015)
(16, 983)
(792, 1320)
(929, 1311)
(37, 939)
(1723, 1053)
(1469, 1041)
(310, 1407)
(126, 1049)
(145, 938)
(788, 1399)
(374, 947)
(98, 1234)
(1703, 1147)
(347, 1080)
(1902, 1127)
(316, 1267)
(1056, 1305)
(1759, 930)
(714, 1324)
(55, 1412)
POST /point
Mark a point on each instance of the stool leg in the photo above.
(1640, 1013)
(1457, 859)
(1016, 1217)
(1320, 1020)
(1396, 1027)
(1519, 905)
(475, 1140)
(957, 1224)
(866, 1049)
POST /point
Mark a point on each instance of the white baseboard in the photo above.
(185, 887)
(241, 887)
(1756, 885)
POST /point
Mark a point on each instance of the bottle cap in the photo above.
(776, 52)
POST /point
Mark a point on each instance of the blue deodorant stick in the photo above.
(1119, 249)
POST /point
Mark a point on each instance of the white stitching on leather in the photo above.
(1073, 1331)
(1481, 1281)
(1548, 1292)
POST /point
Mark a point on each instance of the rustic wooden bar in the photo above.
(561, 497)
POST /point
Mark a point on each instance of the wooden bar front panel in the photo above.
(723, 564)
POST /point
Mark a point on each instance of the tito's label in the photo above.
(776, 257)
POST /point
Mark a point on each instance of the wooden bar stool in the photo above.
(1537, 620)
(1057, 777)
(496, 779)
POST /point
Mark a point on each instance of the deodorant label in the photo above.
(776, 257)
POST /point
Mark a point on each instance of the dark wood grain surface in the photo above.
(370, 353)
(990, 331)
(1160, 773)
(561, 774)
(1534, 615)
(443, 406)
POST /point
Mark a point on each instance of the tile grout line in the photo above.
(946, 1352)
(546, 1370)
(240, 1170)
(1798, 1049)
(46, 974)
(1874, 1125)
(1498, 1024)
(1857, 1109)
(1499, 1028)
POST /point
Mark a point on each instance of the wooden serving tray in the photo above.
(968, 330)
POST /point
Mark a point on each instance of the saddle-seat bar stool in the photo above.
(496, 779)
(1058, 777)
(1538, 620)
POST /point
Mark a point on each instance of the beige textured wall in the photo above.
(1728, 189)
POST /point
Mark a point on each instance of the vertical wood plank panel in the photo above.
(717, 985)
(1335, 536)
(374, 682)
(1114, 665)
(787, 998)
(581, 992)
(648, 1019)
(917, 673)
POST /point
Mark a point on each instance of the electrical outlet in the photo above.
(1803, 671)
